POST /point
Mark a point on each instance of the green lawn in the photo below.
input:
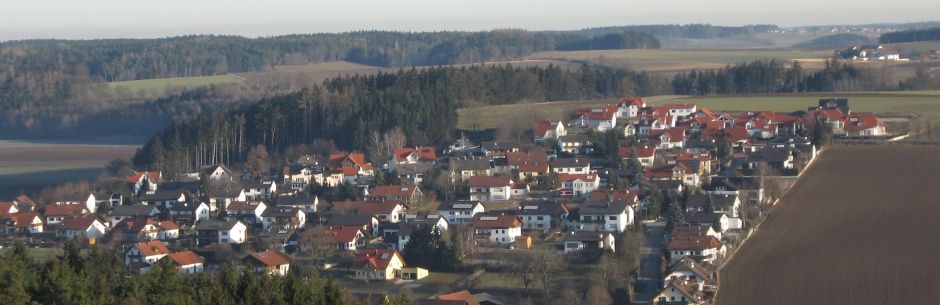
(159, 85)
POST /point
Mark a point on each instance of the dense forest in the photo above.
(347, 110)
(836, 41)
(100, 278)
(613, 41)
(930, 34)
(761, 77)
(698, 31)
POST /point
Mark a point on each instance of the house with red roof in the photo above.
(390, 211)
(378, 264)
(548, 130)
(862, 126)
(674, 171)
(497, 230)
(629, 107)
(143, 180)
(83, 228)
(7, 208)
(186, 262)
(348, 238)
(490, 188)
(645, 154)
(57, 213)
(701, 163)
(135, 229)
(23, 223)
(705, 248)
(457, 298)
(269, 262)
(352, 165)
(577, 185)
(143, 254)
(528, 165)
(409, 194)
(668, 138)
(679, 291)
(413, 155)
(601, 119)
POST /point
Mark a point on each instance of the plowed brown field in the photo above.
(861, 226)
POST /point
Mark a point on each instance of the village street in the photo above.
(650, 273)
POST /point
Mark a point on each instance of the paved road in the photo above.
(650, 275)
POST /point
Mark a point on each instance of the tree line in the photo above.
(929, 34)
(99, 277)
(346, 111)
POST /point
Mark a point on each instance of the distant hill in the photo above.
(836, 41)
(931, 34)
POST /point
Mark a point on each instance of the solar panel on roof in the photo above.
(488, 218)
(530, 207)
(384, 255)
(463, 206)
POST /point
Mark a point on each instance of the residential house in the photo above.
(248, 212)
(348, 238)
(779, 158)
(218, 174)
(186, 262)
(189, 214)
(729, 204)
(83, 228)
(168, 230)
(397, 235)
(578, 185)
(670, 138)
(413, 155)
(409, 194)
(678, 292)
(528, 165)
(309, 204)
(377, 264)
(463, 169)
(687, 230)
(268, 262)
(24, 203)
(144, 181)
(141, 255)
(221, 197)
(122, 212)
(23, 223)
(581, 240)
(135, 230)
(680, 110)
(750, 190)
(385, 211)
(57, 213)
(548, 130)
(86, 200)
(220, 232)
(297, 177)
(629, 107)
(367, 223)
(601, 119)
(703, 248)
(497, 230)
(499, 149)
(575, 144)
(283, 218)
(457, 298)
(608, 216)
(645, 154)
(701, 276)
(701, 163)
(720, 221)
(864, 126)
(460, 212)
(542, 215)
(353, 166)
(489, 188)
(674, 171)
(571, 166)
(413, 173)
(163, 198)
(259, 189)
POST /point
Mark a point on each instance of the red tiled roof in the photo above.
(185, 258)
(23, 220)
(685, 156)
(80, 223)
(565, 177)
(615, 195)
(543, 127)
(676, 134)
(642, 151)
(344, 234)
(733, 134)
(369, 207)
(424, 153)
(490, 181)
(243, 205)
(270, 258)
(23, 199)
(694, 243)
(863, 122)
(496, 222)
(665, 171)
(152, 175)
(5, 208)
(378, 258)
(168, 225)
(399, 191)
(151, 248)
(357, 158)
(65, 210)
(632, 101)
(460, 296)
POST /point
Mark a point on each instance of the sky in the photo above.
(88, 19)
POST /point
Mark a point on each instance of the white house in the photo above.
(284, 217)
(145, 252)
(630, 106)
(680, 110)
(86, 200)
(187, 262)
(497, 230)
(679, 292)
(220, 232)
(573, 143)
(704, 248)
(571, 166)
(245, 211)
(548, 130)
(581, 240)
(460, 212)
(348, 238)
(163, 198)
(376, 264)
(543, 215)
(701, 276)
(80, 228)
(489, 188)
(610, 216)
(269, 262)
(189, 213)
(577, 185)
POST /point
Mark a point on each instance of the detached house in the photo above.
(464, 169)
(413, 155)
(86, 200)
(375, 264)
(675, 171)
(163, 198)
(122, 212)
(488, 188)
(85, 228)
(542, 215)
(143, 181)
(701, 276)
(348, 238)
(218, 174)
(23, 223)
(601, 119)
(309, 204)
(57, 213)
(283, 217)
(630, 106)
(680, 293)
(530, 165)
(499, 149)
(728, 204)
(409, 194)
(574, 144)
(704, 248)
(571, 166)
(548, 130)
(220, 232)
(385, 211)
(143, 254)
(353, 166)
(245, 211)
(581, 240)
(577, 185)
(460, 212)
(645, 154)
(497, 230)
(297, 177)
(668, 138)
(189, 213)
(609, 216)
(269, 262)
(186, 262)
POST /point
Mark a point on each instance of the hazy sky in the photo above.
(22, 19)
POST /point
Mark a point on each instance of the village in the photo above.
(704, 179)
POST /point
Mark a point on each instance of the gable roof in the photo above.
(270, 258)
(642, 151)
(244, 205)
(350, 220)
(151, 175)
(336, 159)
(78, 223)
(424, 153)
(470, 164)
(542, 127)
(186, 258)
(496, 222)
(566, 177)
(604, 208)
(5, 208)
(345, 234)
(133, 210)
(463, 295)
(379, 259)
(632, 101)
(570, 162)
(369, 207)
(23, 220)
(215, 225)
(57, 210)
(688, 264)
(399, 191)
(459, 205)
(694, 243)
(542, 208)
(490, 181)
(151, 248)
(614, 195)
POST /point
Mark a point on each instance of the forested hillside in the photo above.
(930, 34)
(836, 41)
(774, 76)
(346, 111)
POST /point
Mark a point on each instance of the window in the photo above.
(539, 217)
(612, 217)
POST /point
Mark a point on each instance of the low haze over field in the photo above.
(112, 18)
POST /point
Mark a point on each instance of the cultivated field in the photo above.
(680, 60)
(158, 86)
(29, 166)
(859, 227)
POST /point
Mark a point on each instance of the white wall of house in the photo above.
(611, 222)
(502, 236)
(237, 235)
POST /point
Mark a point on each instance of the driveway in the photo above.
(650, 275)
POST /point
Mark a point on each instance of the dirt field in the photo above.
(29, 166)
(858, 228)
